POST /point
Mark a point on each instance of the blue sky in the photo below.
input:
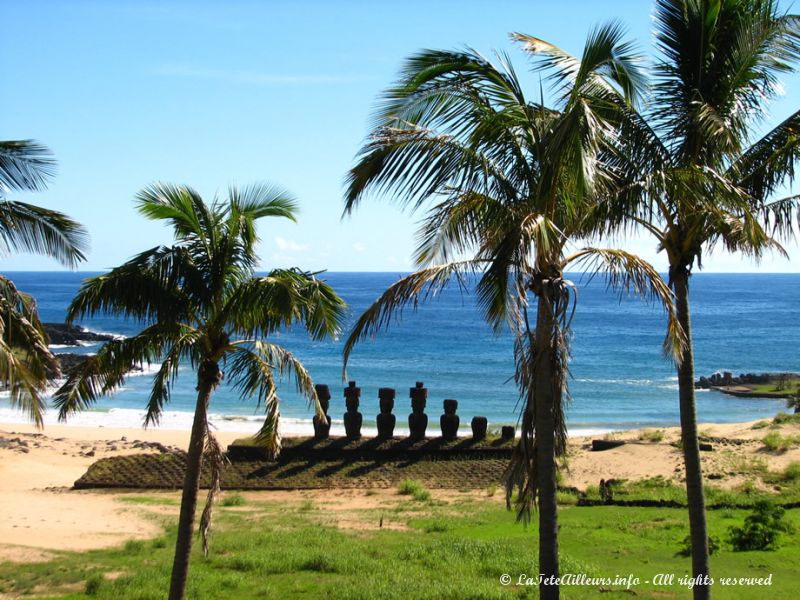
(213, 94)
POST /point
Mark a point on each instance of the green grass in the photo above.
(775, 442)
(652, 435)
(790, 474)
(774, 387)
(149, 500)
(456, 550)
(233, 500)
(783, 418)
(415, 489)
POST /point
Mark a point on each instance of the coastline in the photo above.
(40, 513)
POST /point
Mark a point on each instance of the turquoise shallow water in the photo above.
(619, 379)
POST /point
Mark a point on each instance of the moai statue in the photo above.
(322, 426)
(479, 427)
(386, 420)
(449, 421)
(507, 433)
(352, 418)
(418, 420)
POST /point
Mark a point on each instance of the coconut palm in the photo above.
(508, 184)
(200, 302)
(25, 360)
(693, 179)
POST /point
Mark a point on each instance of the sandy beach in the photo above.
(40, 513)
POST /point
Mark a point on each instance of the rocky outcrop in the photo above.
(68, 360)
(727, 378)
(72, 335)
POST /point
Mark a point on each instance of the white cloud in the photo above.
(359, 247)
(251, 77)
(285, 245)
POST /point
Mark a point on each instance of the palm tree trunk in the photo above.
(544, 414)
(691, 450)
(191, 484)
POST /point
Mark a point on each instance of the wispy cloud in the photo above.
(285, 245)
(252, 77)
(359, 247)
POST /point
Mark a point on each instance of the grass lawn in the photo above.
(443, 549)
(773, 387)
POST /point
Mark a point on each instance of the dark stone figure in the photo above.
(418, 420)
(352, 418)
(479, 427)
(450, 421)
(386, 420)
(322, 427)
(507, 433)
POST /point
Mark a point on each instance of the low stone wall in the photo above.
(306, 463)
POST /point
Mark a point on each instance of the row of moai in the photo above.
(386, 421)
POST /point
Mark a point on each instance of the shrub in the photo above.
(761, 528)
(792, 471)
(775, 442)
(93, 584)
(437, 526)
(306, 506)
(652, 435)
(782, 418)
(235, 500)
(410, 487)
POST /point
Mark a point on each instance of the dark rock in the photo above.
(507, 432)
(705, 447)
(73, 335)
(598, 445)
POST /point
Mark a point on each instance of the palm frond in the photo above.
(409, 290)
(29, 228)
(214, 456)
(541, 356)
(607, 60)
(182, 347)
(25, 166)
(251, 372)
(159, 285)
(628, 274)
(26, 362)
(105, 371)
(285, 296)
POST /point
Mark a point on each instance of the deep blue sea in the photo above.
(619, 378)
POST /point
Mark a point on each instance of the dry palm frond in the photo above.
(214, 457)
(540, 351)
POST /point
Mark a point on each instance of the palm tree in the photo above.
(200, 302)
(692, 180)
(509, 185)
(25, 359)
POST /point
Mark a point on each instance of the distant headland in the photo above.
(752, 385)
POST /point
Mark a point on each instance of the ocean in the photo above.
(619, 376)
